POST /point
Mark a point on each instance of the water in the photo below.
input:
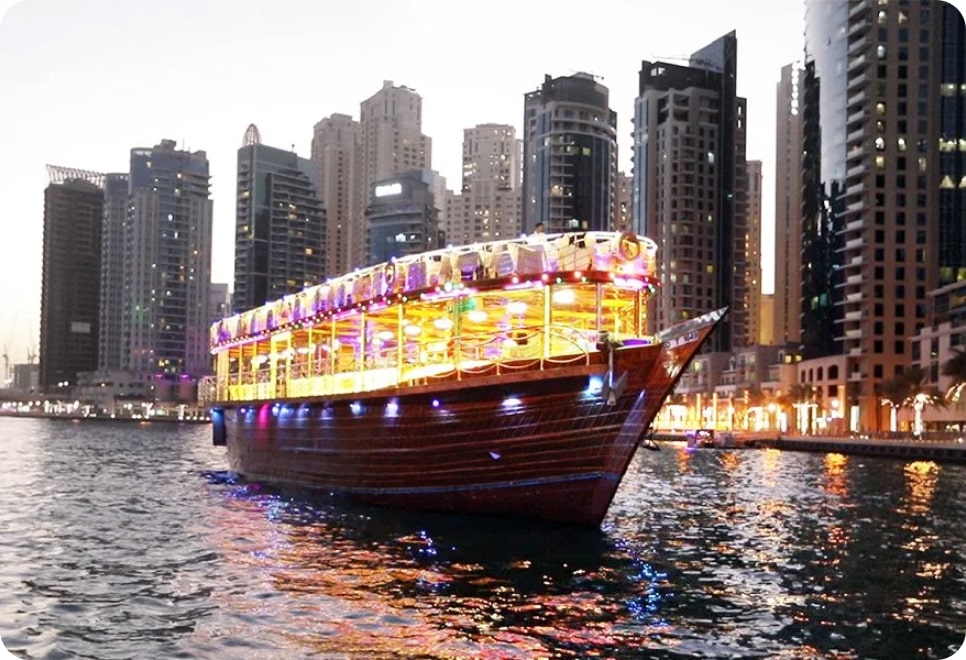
(126, 541)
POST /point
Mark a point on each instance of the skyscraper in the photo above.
(752, 285)
(70, 291)
(788, 209)
(952, 146)
(111, 336)
(690, 189)
(402, 217)
(391, 142)
(874, 137)
(336, 152)
(169, 263)
(279, 226)
(569, 155)
(488, 205)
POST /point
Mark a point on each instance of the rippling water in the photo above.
(123, 541)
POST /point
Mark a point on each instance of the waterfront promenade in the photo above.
(949, 447)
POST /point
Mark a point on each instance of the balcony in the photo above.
(854, 279)
(856, 81)
(856, 117)
(856, 170)
(855, 206)
(854, 189)
(858, 151)
(858, 45)
(853, 334)
(853, 297)
(857, 62)
(854, 316)
(856, 99)
(858, 9)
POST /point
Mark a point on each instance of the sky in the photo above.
(84, 81)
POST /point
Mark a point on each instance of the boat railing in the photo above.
(462, 357)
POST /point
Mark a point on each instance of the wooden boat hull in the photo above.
(549, 443)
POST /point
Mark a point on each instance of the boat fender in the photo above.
(219, 437)
(628, 247)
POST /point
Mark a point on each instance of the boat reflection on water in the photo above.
(370, 582)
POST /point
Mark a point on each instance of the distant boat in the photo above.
(512, 377)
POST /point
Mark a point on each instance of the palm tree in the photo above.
(894, 393)
(955, 367)
(911, 389)
(803, 394)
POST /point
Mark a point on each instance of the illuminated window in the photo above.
(880, 144)
(880, 162)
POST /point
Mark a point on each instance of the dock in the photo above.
(940, 447)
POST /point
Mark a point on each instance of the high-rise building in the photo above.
(690, 189)
(402, 217)
(336, 151)
(111, 337)
(169, 264)
(70, 290)
(279, 225)
(569, 155)
(487, 207)
(874, 136)
(952, 145)
(752, 273)
(219, 300)
(625, 203)
(391, 142)
(788, 209)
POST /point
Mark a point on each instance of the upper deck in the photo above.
(427, 314)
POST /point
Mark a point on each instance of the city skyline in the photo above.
(86, 84)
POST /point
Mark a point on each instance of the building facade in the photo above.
(391, 142)
(70, 289)
(111, 337)
(786, 319)
(872, 221)
(753, 272)
(690, 189)
(402, 217)
(487, 207)
(336, 152)
(569, 156)
(279, 225)
(168, 264)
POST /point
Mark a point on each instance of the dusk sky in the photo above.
(82, 82)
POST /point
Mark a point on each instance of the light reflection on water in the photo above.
(130, 547)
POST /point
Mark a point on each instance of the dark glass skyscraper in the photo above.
(401, 217)
(70, 292)
(280, 225)
(952, 147)
(569, 155)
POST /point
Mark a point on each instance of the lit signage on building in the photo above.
(388, 189)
